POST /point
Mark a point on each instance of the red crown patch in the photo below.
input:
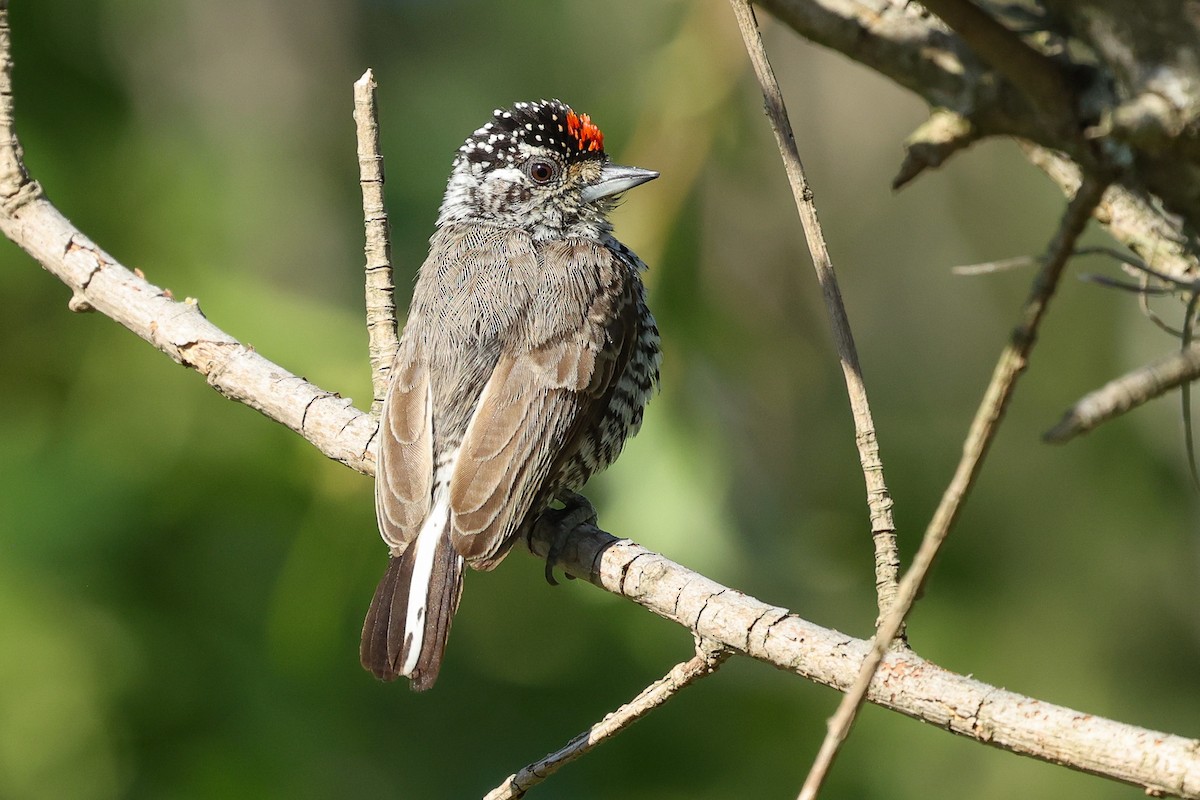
(585, 133)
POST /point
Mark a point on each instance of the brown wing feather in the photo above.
(532, 411)
(505, 457)
(404, 473)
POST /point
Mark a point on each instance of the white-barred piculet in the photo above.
(527, 359)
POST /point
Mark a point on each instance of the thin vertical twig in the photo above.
(979, 439)
(380, 289)
(879, 500)
(1185, 391)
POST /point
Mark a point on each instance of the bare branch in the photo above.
(979, 439)
(920, 53)
(1133, 219)
(917, 51)
(178, 329)
(381, 303)
(1039, 78)
(938, 138)
(991, 267)
(707, 660)
(905, 682)
(1126, 393)
(879, 500)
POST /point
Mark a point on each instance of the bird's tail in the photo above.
(409, 620)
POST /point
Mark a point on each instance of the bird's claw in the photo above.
(577, 511)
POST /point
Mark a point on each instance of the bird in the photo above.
(526, 361)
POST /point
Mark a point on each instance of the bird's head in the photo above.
(540, 167)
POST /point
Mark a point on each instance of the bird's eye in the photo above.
(542, 171)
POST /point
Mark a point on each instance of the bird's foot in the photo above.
(576, 512)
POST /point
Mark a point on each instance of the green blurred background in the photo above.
(182, 583)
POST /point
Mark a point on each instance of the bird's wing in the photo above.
(547, 383)
(450, 306)
(404, 471)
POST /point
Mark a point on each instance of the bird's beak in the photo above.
(615, 179)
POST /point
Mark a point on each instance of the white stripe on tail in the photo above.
(435, 526)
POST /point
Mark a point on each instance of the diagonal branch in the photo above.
(179, 329)
(1133, 219)
(979, 439)
(920, 53)
(905, 682)
(707, 660)
(1039, 78)
(1126, 393)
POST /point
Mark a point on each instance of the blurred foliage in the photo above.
(182, 583)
